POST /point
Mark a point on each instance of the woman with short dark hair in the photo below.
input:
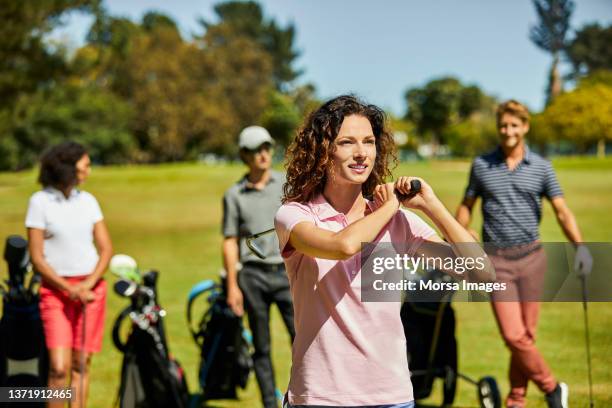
(65, 225)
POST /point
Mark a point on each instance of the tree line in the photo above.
(140, 91)
(462, 116)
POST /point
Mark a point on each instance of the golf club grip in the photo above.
(415, 188)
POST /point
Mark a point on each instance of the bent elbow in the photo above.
(348, 249)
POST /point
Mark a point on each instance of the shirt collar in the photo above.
(59, 196)
(526, 154)
(246, 185)
(324, 210)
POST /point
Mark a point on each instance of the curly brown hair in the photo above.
(309, 155)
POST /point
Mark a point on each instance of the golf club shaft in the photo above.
(587, 337)
(415, 188)
(83, 333)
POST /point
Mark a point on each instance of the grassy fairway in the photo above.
(168, 218)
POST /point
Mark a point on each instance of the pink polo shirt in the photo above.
(346, 352)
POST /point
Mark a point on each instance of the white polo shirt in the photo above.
(68, 224)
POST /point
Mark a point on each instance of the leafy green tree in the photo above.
(550, 35)
(27, 62)
(583, 117)
(305, 99)
(165, 96)
(173, 97)
(9, 148)
(194, 101)
(104, 59)
(602, 76)
(90, 115)
(281, 117)
(153, 20)
(237, 74)
(474, 136)
(434, 106)
(590, 50)
(441, 103)
(286, 111)
(402, 125)
(247, 19)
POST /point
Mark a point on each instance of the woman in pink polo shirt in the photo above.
(347, 352)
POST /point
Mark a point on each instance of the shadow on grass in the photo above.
(196, 401)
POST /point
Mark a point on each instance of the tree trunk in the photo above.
(601, 148)
(555, 83)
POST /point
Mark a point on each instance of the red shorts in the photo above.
(62, 318)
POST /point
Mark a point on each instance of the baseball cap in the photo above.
(254, 136)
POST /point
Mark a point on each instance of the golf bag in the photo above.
(431, 356)
(150, 376)
(24, 360)
(429, 327)
(224, 344)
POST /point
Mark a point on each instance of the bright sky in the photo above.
(378, 49)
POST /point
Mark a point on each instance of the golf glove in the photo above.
(583, 261)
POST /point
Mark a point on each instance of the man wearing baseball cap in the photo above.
(249, 207)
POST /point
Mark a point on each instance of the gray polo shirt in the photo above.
(247, 211)
(512, 200)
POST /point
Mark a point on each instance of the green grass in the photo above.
(168, 218)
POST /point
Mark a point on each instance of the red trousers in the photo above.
(517, 312)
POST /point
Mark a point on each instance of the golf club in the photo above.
(33, 285)
(125, 288)
(415, 187)
(82, 362)
(250, 241)
(587, 337)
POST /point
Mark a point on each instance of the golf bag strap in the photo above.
(197, 290)
(117, 326)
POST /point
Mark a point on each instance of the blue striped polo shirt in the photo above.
(512, 199)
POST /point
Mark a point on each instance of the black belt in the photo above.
(264, 266)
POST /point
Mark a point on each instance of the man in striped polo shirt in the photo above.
(512, 181)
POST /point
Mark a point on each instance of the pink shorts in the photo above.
(62, 318)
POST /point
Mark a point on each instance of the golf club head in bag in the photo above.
(150, 376)
(17, 259)
(23, 355)
(125, 267)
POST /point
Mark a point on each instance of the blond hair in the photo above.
(513, 108)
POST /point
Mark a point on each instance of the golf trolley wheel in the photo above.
(450, 386)
(488, 393)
